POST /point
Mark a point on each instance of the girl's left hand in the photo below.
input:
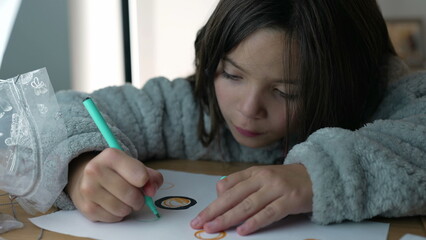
(257, 197)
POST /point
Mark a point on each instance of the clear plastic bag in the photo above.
(31, 127)
(8, 223)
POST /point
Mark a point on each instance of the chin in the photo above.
(252, 143)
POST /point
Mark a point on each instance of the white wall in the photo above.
(167, 30)
(96, 44)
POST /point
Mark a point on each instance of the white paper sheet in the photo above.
(8, 12)
(174, 224)
(412, 237)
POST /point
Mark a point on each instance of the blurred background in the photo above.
(87, 44)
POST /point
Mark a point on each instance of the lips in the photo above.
(247, 133)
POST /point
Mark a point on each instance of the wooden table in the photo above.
(398, 226)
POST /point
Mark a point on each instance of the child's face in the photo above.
(250, 89)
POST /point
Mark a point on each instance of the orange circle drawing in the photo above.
(198, 235)
(175, 202)
(166, 186)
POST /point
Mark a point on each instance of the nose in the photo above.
(251, 104)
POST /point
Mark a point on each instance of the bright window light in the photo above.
(96, 44)
(162, 35)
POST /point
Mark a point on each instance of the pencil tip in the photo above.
(158, 215)
(86, 98)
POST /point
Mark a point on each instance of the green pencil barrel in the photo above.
(101, 124)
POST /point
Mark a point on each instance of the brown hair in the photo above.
(341, 47)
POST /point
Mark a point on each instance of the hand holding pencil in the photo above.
(108, 186)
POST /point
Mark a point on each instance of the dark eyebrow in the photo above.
(287, 81)
(227, 59)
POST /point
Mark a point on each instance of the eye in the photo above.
(230, 76)
(284, 95)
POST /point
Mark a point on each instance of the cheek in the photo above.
(278, 118)
(223, 94)
(286, 121)
(280, 121)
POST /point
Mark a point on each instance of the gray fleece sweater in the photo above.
(379, 169)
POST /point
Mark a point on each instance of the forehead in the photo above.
(260, 47)
(268, 52)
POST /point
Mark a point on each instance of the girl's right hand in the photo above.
(110, 185)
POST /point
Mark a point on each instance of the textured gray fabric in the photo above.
(379, 169)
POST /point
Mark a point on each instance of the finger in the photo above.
(273, 212)
(121, 189)
(223, 203)
(232, 180)
(132, 170)
(101, 197)
(96, 213)
(155, 181)
(244, 210)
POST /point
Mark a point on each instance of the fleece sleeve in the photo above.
(377, 170)
(157, 121)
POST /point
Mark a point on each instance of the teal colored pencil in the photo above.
(111, 140)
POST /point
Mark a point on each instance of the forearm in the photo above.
(355, 177)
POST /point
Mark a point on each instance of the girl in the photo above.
(298, 85)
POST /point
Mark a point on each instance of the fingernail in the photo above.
(210, 225)
(156, 187)
(195, 222)
(241, 230)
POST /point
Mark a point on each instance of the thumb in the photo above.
(154, 183)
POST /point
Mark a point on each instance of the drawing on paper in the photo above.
(175, 202)
(167, 186)
(201, 234)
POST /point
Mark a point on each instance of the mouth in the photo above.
(247, 133)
